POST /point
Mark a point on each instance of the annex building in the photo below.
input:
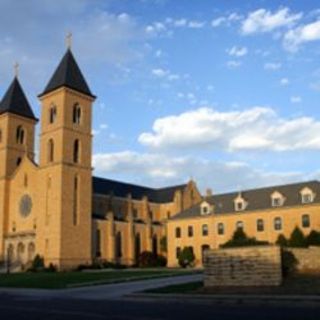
(56, 208)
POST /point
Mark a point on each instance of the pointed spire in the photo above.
(68, 74)
(15, 101)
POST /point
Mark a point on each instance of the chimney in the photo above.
(208, 193)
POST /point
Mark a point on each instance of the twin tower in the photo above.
(45, 208)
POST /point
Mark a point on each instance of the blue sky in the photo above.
(225, 92)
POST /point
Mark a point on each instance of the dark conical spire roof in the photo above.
(15, 101)
(68, 74)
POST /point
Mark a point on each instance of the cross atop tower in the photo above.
(16, 69)
(69, 40)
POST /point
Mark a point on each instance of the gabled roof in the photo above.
(68, 74)
(15, 101)
(257, 199)
(122, 189)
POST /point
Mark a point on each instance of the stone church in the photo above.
(55, 207)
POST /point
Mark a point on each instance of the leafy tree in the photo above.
(282, 241)
(240, 239)
(186, 257)
(297, 239)
(313, 239)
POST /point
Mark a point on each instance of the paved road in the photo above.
(20, 308)
(102, 292)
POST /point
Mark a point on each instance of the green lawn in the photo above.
(61, 280)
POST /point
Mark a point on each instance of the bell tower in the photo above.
(65, 163)
(17, 126)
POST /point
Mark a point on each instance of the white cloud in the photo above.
(180, 22)
(295, 99)
(196, 24)
(161, 170)
(254, 129)
(272, 66)
(284, 81)
(165, 74)
(232, 64)
(225, 20)
(263, 20)
(237, 51)
(302, 34)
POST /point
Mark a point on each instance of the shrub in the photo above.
(297, 239)
(147, 259)
(161, 261)
(37, 264)
(240, 239)
(51, 268)
(186, 257)
(313, 239)
(288, 262)
(282, 241)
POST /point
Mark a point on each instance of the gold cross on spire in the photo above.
(16, 69)
(69, 40)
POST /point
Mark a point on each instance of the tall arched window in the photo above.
(155, 244)
(50, 150)
(118, 245)
(76, 151)
(52, 114)
(75, 200)
(76, 116)
(137, 246)
(20, 135)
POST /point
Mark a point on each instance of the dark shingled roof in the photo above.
(68, 74)
(257, 199)
(122, 189)
(15, 101)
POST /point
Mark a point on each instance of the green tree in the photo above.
(240, 239)
(313, 238)
(282, 241)
(297, 238)
(186, 257)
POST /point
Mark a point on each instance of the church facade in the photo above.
(56, 208)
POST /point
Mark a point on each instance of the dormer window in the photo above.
(240, 203)
(307, 196)
(205, 208)
(277, 199)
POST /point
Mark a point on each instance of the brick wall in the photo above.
(308, 259)
(248, 266)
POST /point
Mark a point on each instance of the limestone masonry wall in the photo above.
(308, 259)
(249, 266)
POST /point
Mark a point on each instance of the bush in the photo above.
(282, 241)
(313, 239)
(37, 264)
(240, 239)
(186, 257)
(288, 262)
(161, 261)
(297, 239)
(51, 268)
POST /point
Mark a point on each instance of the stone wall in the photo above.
(308, 259)
(247, 266)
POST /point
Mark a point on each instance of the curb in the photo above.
(290, 300)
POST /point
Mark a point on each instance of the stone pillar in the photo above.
(111, 236)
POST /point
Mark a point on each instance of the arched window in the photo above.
(178, 232)
(20, 252)
(75, 200)
(204, 248)
(220, 228)
(137, 246)
(118, 245)
(31, 251)
(76, 151)
(155, 244)
(50, 150)
(98, 243)
(277, 223)
(52, 114)
(178, 252)
(76, 116)
(260, 225)
(20, 135)
(18, 161)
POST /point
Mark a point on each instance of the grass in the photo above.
(299, 284)
(60, 280)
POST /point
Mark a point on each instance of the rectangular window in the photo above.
(178, 232)
(305, 221)
(190, 231)
(307, 198)
(205, 230)
(277, 223)
(220, 229)
(178, 251)
(239, 225)
(260, 225)
(98, 244)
